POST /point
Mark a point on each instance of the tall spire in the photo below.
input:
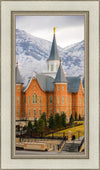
(18, 77)
(60, 78)
(54, 51)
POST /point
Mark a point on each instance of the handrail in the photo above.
(79, 147)
(64, 139)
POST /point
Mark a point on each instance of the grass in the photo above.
(74, 130)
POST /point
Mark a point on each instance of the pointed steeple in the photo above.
(54, 51)
(60, 78)
(18, 77)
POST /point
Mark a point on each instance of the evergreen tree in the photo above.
(43, 116)
(76, 116)
(51, 122)
(63, 119)
(41, 125)
(58, 121)
(35, 125)
(30, 128)
(79, 117)
(71, 119)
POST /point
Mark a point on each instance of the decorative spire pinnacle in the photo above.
(54, 51)
(60, 77)
(54, 30)
(18, 76)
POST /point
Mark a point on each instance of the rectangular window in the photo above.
(39, 112)
(62, 87)
(67, 100)
(34, 112)
(24, 100)
(39, 99)
(28, 112)
(50, 111)
(58, 110)
(18, 88)
(58, 100)
(17, 111)
(18, 100)
(62, 99)
(51, 67)
(62, 112)
(29, 99)
(58, 87)
(80, 99)
(50, 99)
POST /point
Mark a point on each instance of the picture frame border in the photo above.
(86, 27)
(12, 122)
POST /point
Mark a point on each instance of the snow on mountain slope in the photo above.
(32, 53)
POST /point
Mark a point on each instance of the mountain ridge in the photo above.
(32, 54)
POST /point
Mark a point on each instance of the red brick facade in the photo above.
(49, 102)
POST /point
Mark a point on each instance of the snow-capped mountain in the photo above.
(32, 53)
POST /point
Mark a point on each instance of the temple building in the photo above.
(49, 92)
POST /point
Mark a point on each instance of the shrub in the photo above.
(71, 119)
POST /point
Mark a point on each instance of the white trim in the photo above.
(29, 83)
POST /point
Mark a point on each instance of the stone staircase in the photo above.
(71, 147)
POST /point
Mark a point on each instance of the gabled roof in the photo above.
(60, 77)
(18, 77)
(73, 84)
(45, 82)
(54, 51)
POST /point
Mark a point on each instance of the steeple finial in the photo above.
(54, 30)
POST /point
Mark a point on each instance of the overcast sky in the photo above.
(69, 29)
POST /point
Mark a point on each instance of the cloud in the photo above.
(70, 29)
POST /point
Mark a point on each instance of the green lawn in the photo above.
(74, 131)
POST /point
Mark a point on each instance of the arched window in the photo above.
(29, 112)
(50, 111)
(17, 111)
(57, 110)
(18, 100)
(67, 100)
(34, 112)
(39, 99)
(58, 88)
(39, 112)
(18, 88)
(29, 99)
(24, 100)
(51, 100)
(62, 87)
(57, 99)
(62, 99)
(34, 98)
